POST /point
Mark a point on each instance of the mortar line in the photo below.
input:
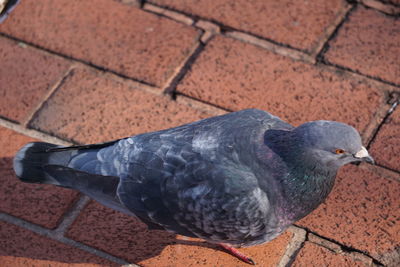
(88, 63)
(383, 121)
(69, 217)
(388, 169)
(389, 3)
(382, 171)
(343, 247)
(323, 44)
(343, 68)
(379, 114)
(223, 27)
(202, 101)
(167, 13)
(170, 88)
(51, 234)
(53, 89)
(33, 133)
(320, 55)
(397, 7)
(270, 45)
(339, 250)
(199, 105)
(293, 247)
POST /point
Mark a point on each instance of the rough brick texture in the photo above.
(129, 237)
(299, 24)
(40, 204)
(386, 145)
(236, 75)
(91, 107)
(107, 33)
(361, 212)
(92, 71)
(314, 255)
(22, 86)
(20, 247)
(368, 43)
(132, 241)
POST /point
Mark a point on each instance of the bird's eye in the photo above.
(339, 151)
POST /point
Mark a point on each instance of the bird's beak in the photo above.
(363, 155)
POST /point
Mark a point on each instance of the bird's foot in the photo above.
(237, 253)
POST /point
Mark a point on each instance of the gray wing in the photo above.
(193, 196)
(198, 179)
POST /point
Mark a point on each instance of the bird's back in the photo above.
(199, 179)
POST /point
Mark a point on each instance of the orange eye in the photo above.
(339, 151)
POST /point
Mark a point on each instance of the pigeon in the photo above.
(6, 6)
(237, 180)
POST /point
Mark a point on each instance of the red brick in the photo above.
(92, 107)
(299, 24)
(39, 204)
(236, 75)
(20, 247)
(128, 238)
(107, 33)
(361, 212)
(26, 75)
(313, 255)
(386, 145)
(368, 43)
(118, 234)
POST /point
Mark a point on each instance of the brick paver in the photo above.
(95, 70)
(93, 107)
(22, 87)
(40, 204)
(107, 33)
(299, 24)
(314, 255)
(134, 242)
(129, 237)
(361, 212)
(20, 247)
(235, 75)
(386, 145)
(370, 46)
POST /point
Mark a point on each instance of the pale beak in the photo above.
(364, 156)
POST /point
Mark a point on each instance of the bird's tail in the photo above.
(31, 160)
(49, 164)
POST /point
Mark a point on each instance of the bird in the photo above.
(6, 6)
(237, 180)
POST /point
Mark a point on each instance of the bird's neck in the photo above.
(303, 189)
(304, 182)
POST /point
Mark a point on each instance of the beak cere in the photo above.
(364, 155)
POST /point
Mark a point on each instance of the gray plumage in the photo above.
(240, 178)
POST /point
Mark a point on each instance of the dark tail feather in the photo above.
(48, 164)
(30, 161)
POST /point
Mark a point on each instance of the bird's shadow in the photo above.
(130, 239)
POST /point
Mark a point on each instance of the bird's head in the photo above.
(332, 144)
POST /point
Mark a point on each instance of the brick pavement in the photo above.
(96, 70)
